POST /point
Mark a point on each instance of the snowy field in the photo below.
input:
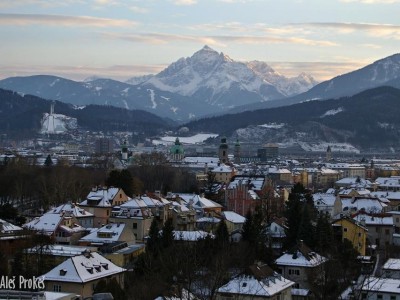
(191, 140)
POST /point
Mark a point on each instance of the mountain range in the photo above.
(368, 120)
(207, 82)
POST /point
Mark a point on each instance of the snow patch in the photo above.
(54, 82)
(191, 140)
(335, 147)
(152, 98)
(332, 112)
(273, 125)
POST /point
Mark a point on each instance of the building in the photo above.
(268, 152)
(104, 146)
(100, 201)
(223, 151)
(80, 274)
(300, 263)
(223, 173)
(12, 237)
(177, 153)
(84, 218)
(135, 214)
(260, 282)
(324, 202)
(354, 232)
(234, 223)
(110, 233)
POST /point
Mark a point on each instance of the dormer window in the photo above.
(63, 272)
(90, 270)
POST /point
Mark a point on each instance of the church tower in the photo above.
(124, 150)
(223, 151)
(328, 153)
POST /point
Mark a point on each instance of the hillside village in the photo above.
(251, 228)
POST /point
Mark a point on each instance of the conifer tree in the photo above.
(167, 236)
(222, 235)
(153, 243)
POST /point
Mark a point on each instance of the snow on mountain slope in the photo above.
(216, 73)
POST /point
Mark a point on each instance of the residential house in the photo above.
(355, 182)
(183, 217)
(391, 183)
(379, 288)
(12, 237)
(260, 282)
(391, 268)
(380, 228)
(63, 228)
(299, 264)
(202, 205)
(83, 217)
(276, 234)
(349, 206)
(278, 175)
(100, 201)
(324, 202)
(392, 199)
(190, 236)
(208, 224)
(234, 222)
(223, 173)
(110, 233)
(80, 274)
(353, 231)
(348, 170)
(136, 215)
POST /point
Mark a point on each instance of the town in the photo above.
(157, 222)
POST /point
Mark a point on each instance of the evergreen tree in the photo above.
(48, 162)
(323, 234)
(126, 182)
(306, 229)
(153, 243)
(247, 229)
(222, 235)
(167, 236)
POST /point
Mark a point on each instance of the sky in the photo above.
(121, 39)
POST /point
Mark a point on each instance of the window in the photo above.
(379, 297)
(134, 225)
(359, 234)
(392, 297)
(294, 272)
(56, 288)
(344, 229)
(387, 231)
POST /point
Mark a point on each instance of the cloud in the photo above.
(40, 3)
(137, 9)
(319, 70)
(217, 40)
(60, 20)
(372, 1)
(377, 30)
(118, 72)
(184, 2)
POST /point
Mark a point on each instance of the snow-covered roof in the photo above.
(106, 234)
(190, 235)
(255, 182)
(222, 168)
(367, 204)
(387, 195)
(324, 199)
(393, 181)
(7, 227)
(70, 209)
(233, 217)
(382, 285)
(392, 264)
(354, 181)
(359, 191)
(374, 220)
(47, 223)
(208, 220)
(199, 201)
(83, 268)
(299, 260)
(103, 197)
(60, 250)
(248, 285)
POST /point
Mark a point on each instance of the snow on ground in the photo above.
(273, 125)
(152, 98)
(332, 112)
(335, 147)
(195, 139)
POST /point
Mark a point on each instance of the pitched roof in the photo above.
(301, 256)
(83, 268)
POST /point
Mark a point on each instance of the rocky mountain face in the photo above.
(207, 82)
(384, 72)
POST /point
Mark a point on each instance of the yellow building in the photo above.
(352, 231)
(80, 274)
